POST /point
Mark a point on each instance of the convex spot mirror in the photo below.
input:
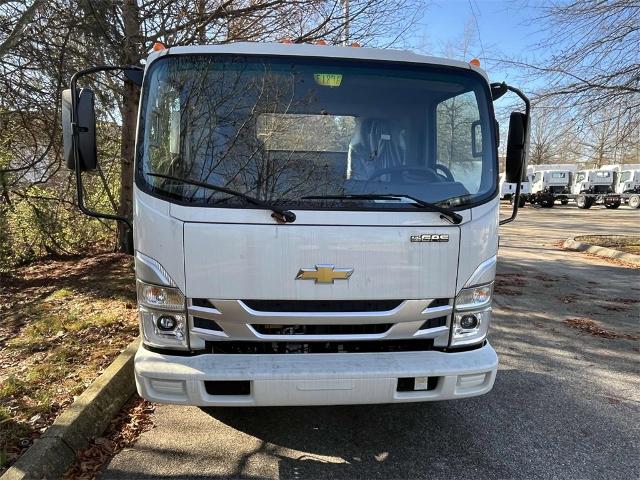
(516, 168)
(86, 131)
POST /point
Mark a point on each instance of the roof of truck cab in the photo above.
(318, 51)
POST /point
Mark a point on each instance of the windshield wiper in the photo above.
(279, 214)
(444, 212)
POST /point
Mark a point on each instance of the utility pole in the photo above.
(345, 29)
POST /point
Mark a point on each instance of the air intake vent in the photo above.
(233, 347)
(202, 302)
(370, 329)
(439, 302)
(434, 322)
(228, 387)
(322, 305)
(206, 324)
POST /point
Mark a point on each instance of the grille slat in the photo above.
(434, 322)
(206, 324)
(241, 347)
(338, 329)
(293, 306)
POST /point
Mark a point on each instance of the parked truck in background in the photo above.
(312, 225)
(508, 190)
(589, 187)
(547, 186)
(626, 182)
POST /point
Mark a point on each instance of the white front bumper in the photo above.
(314, 379)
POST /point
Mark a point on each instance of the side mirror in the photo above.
(85, 119)
(476, 139)
(516, 167)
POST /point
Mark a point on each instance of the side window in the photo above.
(537, 177)
(459, 135)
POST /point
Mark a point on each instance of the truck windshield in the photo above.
(281, 129)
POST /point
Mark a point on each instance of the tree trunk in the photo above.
(130, 55)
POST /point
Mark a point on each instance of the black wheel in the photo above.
(547, 203)
(521, 201)
(612, 206)
(634, 201)
(564, 201)
(584, 202)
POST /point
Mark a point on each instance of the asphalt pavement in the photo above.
(566, 403)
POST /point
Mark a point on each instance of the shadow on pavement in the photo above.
(530, 426)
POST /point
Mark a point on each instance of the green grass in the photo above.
(59, 294)
(46, 323)
(13, 387)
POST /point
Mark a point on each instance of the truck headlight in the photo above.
(155, 296)
(472, 315)
(474, 298)
(162, 316)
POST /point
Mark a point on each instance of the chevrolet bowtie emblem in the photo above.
(324, 273)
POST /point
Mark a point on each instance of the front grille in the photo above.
(369, 329)
(231, 347)
(434, 322)
(294, 306)
(206, 324)
(202, 302)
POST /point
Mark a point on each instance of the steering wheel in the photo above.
(445, 170)
(395, 173)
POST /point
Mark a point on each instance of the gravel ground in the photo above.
(566, 402)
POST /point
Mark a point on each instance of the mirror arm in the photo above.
(76, 151)
(527, 111)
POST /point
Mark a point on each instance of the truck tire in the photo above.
(584, 202)
(546, 203)
(634, 201)
(521, 203)
(564, 201)
(612, 206)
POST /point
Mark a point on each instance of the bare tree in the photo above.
(42, 43)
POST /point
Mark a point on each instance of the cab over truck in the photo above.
(627, 185)
(508, 190)
(589, 187)
(549, 186)
(312, 225)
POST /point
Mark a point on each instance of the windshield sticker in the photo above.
(328, 79)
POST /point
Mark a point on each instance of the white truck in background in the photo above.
(591, 186)
(313, 225)
(508, 190)
(547, 186)
(627, 185)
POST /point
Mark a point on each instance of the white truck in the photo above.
(312, 225)
(508, 190)
(626, 182)
(549, 186)
(591, 186)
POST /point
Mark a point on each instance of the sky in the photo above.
(501, 29)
